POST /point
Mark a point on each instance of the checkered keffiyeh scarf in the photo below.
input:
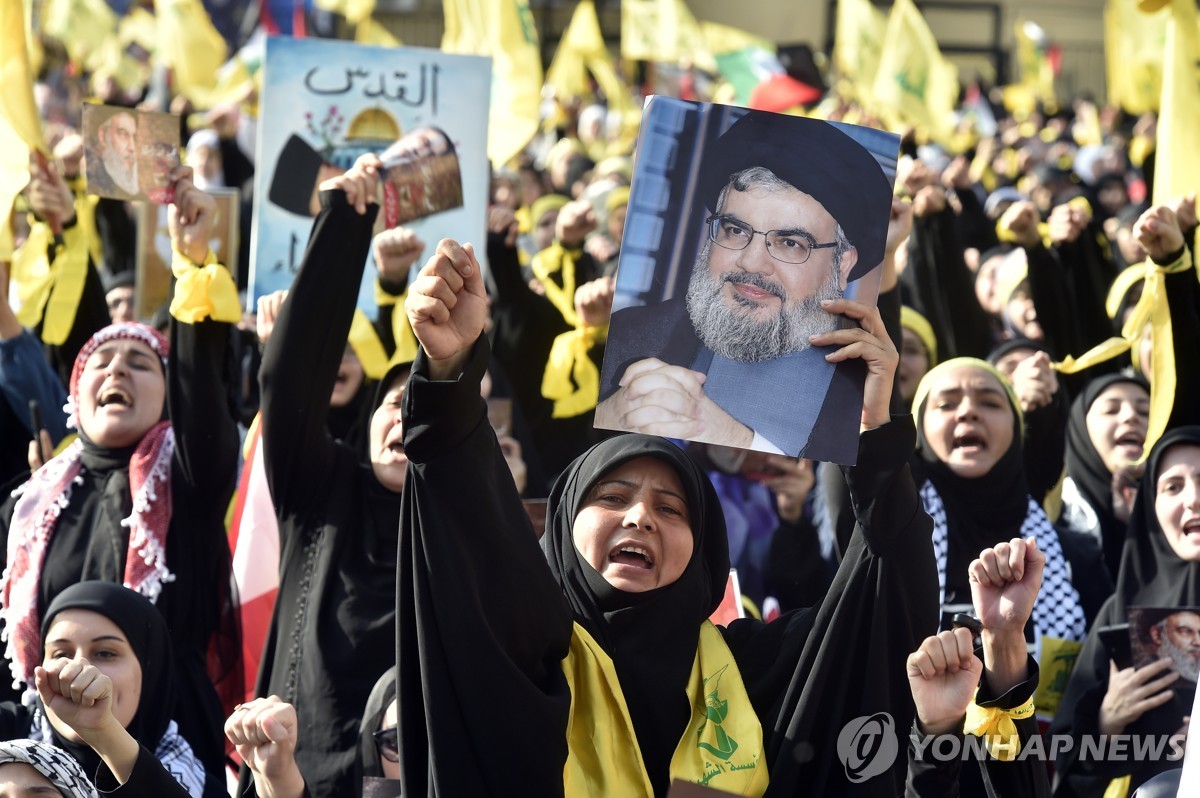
(41, 500)
(1057, 611)
(55, 764)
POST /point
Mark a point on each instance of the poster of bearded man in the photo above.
(740, 225)
(129, 154)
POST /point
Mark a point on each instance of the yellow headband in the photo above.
(935, 373)
(543, 205)
(920, 325)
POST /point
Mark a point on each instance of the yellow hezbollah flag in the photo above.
(1134, 43)
(504, 30)
(1177, 168)
(662, 30)
(83, 26)
(583, 50)
(372, 31)
(861, 28)
(914, 83)
(190, 45)
(20, 126)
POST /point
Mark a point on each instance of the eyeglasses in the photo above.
(388, 743)
(786, 246)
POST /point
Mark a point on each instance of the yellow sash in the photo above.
(998, 728)
(571, 380)
(1151, 309)
(402, 334)
(50, 291)
(721, 748)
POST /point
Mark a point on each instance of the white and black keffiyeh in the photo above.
(1057, 611)
(55, 764)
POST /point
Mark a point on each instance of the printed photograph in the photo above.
(1167, 632)
(129, 154)
(739, 224)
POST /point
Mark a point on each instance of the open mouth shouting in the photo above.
(632, 561)
(115, 398)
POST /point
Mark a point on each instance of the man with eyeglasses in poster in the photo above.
(745, 358)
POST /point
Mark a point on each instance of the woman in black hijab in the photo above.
(1106, 431)
(600, 674)
(103, 627)
(1160, 567)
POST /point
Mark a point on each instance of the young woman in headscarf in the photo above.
(1160, 567)
(29, 765)
(969, 432)
(332, 632)
(139, 499)
(106, 695)
(600, 674)
(1106, 431)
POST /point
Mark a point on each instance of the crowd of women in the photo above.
(1011, 499)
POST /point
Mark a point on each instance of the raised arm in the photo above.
(491, 637)
(301, 359)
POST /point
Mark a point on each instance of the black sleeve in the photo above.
(1089, 273)
(149, 779)
(301, 359)
(796, 572)
(91, 315)
(938, 285)
(889, 310)
(118, 235)
(973, 226)
(1183, 298)
(482, 627)
(1044, 448)
(235, 166)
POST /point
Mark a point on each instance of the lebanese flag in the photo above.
(254, 539)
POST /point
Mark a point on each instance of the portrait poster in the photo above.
(153, 282)
(1167, 633)
(739, 224)
(130, 154)
(325, 103)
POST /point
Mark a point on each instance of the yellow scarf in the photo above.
(203, 291)
(85, 217)
(571, 380)
(50, 290)
(1151, 309)
(722, 746)
(367, 345)
(998, 728)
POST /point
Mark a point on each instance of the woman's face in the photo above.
(634, 527)
(391, 770)
(968, 421)
(1177, 500)
(388, 460)
(121, 393)
(914, 362)
(349, 379)
(88, 634)
(1116, 424)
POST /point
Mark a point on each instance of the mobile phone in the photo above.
(36, 423)
(1116, 639)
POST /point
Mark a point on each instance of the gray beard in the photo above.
(125, 178)
(738, 334)
(1186, 664)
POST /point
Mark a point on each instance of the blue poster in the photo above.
(325, 103)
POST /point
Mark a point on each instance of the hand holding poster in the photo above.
(740, 224)
(130, 155)
(423, 112)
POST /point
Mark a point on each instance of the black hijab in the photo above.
(382, 695)
(147, 634)
(1152, 574)
(1088, 471)
(651, 636)
(980, 511)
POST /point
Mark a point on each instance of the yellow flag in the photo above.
(190, 45)
(355, 11)
(582, 50)
(1177, 165)
(914, 83)
(722, 39)
(504, 30)
(861, 28)
(83, 26)
(1034, 68)
(662, 30)
(20, 126)
(371, 31)
(1134, 43)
